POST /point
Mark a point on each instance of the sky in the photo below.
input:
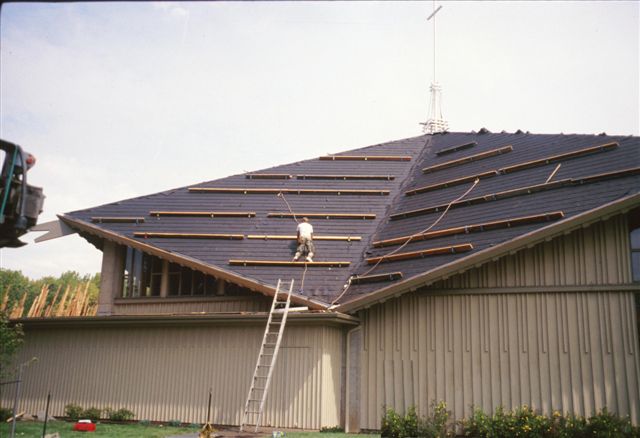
(118, 100)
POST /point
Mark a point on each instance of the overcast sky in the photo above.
(118, 100)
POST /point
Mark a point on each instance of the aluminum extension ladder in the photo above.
(267, 357)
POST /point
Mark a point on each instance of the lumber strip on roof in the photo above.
(147, 235)
(451, 182)
(365, 158)
(387, 276)
(560, 157)
(453, 249)
(268, 176)
(468, 159)
(607, 175)
(294, 237)
(486, 198)
(349, 177)
(457, 148)
(337, 264)
(275, 191)
(506, 223)
(324, 215)
(211, 214)
(117, 219)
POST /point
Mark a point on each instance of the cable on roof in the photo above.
(446, 210)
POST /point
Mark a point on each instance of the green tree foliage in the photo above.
(10, 341)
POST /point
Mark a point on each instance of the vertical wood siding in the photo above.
(164, 373)
(598, 254)
(576, 352)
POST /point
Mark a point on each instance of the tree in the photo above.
(11, 337)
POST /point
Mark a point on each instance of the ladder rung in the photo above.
(262, 366)
(251, 412)
(267, 354)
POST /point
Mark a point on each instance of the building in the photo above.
(427, 285)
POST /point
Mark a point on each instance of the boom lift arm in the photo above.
(20, 203)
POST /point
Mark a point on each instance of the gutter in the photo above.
(182, 320)
(476, 260)
(188, 261)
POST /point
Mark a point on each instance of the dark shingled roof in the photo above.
(572, 190)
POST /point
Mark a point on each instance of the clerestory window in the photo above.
(149, 276)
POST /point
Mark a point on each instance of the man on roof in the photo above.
(305, 240)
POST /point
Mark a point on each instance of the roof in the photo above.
(366, 203)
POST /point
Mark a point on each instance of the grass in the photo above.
(34, 430)
(327, 435)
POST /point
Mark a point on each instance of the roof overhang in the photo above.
(509, 247)
(226, 319)
(187, 261)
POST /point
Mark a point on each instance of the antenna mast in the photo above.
(435, 123)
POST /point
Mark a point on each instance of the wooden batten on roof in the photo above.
(457, 148)
(116, 219)
(275, 191)
(365, 158)
(453, 249)
(468, 159)
(376, 278)
(323, 264)
(560, 157)
(451, 182)
(324, 215)
(219, 236)
(493, 225)
(212, 214)
(348, 177)
(293, 237)
(268, 176)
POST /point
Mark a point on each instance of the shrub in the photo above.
(174, 423)
(392, 424)
(334, 429)
(120, 415)
(525, 422)
(144, 422)
(74, 412)
(92, 414)
(435, 425)
(5, 414)
(607, 425)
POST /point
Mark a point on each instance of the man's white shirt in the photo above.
(305, 230)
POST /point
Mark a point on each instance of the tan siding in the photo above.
(168, 306)
(575, 352)
(166, 373)
(598, 254)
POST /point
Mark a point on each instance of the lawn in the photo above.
(34, 430)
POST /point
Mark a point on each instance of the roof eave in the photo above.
(481, 257)
(187, 261)
(185, 319)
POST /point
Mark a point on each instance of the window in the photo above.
(143, 277)
(142, 274)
